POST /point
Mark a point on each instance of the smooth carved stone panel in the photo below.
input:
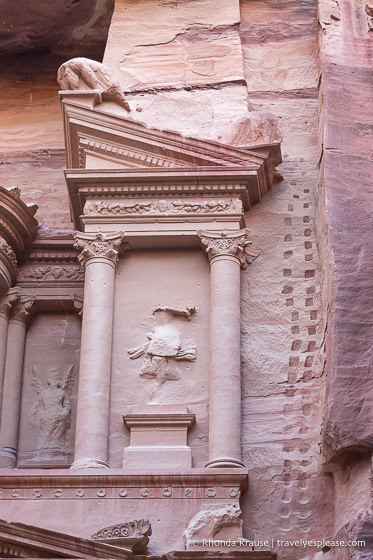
(160, 344)
(49, 390)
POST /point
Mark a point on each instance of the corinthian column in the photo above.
(19, 319)
(99, 257)
(226, 252)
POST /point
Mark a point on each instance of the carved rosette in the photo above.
(223, 243)
(7, 302)
(23, 310)
(99, 245)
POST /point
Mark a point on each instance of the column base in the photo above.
(8, 458)
(224, 463)
(89, 463)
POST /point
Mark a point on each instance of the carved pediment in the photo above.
(97, 138)
(18, 540)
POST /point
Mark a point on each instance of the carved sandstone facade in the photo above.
(160, 397)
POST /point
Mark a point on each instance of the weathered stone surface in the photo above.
(346, 192)
(175, 44)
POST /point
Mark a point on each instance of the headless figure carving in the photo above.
(85, 74)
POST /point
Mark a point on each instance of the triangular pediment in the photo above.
(18, 540)
(99, 138)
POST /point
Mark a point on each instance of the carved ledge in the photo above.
(232, 243)
(99, 245)
(133, 535)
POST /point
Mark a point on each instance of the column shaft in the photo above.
(12, 393)
(225, 363)
(91, 439)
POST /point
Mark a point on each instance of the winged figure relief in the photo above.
(53, 407)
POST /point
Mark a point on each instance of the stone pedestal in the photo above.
(158, 437)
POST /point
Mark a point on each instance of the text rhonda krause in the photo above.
(277, 543)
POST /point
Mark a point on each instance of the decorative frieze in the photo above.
(167, 207)
(101, 245)
(50, 273)
(131, 493)
(224, 243)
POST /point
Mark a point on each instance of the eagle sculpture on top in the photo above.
(85, 74)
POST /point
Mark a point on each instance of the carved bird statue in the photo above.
(85, 74)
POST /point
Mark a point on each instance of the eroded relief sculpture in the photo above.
(83, 73)
(207, 523)
(164, 347)
(54, 411)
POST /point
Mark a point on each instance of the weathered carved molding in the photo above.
(23, 310)
(231, 243)
(7, 302)
(85, 74)
(112, 150)
(209, 206)
(8, 252)
(138, 528)
(107, 246)
(50, 273)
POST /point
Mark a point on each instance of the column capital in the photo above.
(8, 301)
(226, 243)
(23, 310)
(99, 245)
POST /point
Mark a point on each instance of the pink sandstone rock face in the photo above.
(243, 73)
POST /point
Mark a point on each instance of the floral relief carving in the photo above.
(232, 243)
(123, 493)
(54, 410)
(51, 273)
(137, 529)
(227, 206)
(234, 492)
(36, 493)
(167, 492)
(211, 492)
(58, 493)
(164, 347)
(16, 493)
(99, 245)
(101, 493)
(79, 493)
(145, 492)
